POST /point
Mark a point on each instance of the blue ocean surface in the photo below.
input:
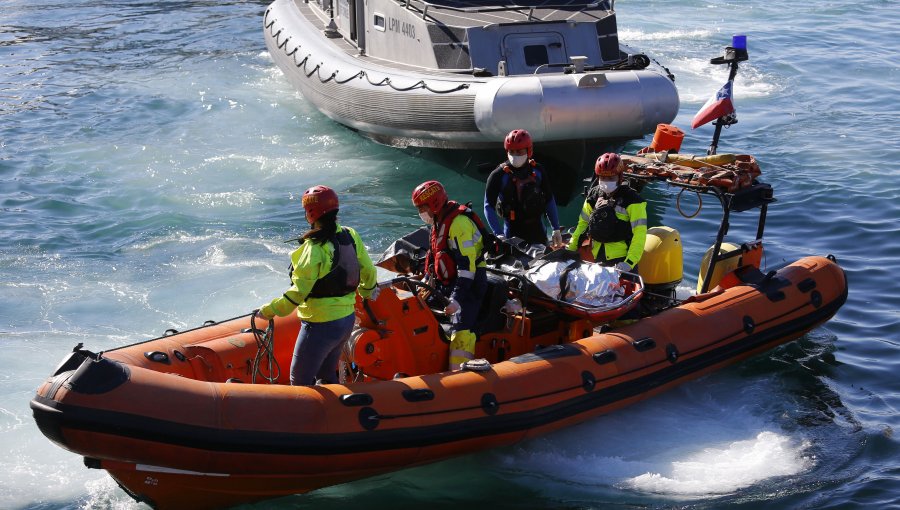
(151, 163)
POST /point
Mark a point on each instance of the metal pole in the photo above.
(721, 120)
(720, 237)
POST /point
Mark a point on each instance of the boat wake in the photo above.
(690, 445)
(669, 35)
(727, 468)
(104, 493)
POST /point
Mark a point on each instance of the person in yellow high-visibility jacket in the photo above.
(327, 271)
(455, 261)
(612, 227)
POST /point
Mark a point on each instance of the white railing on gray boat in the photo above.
(500, 6)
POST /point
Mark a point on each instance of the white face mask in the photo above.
(608, 186)
(517, 161)
(426, 217)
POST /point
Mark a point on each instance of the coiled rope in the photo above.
(265, 353)
(678, 204)
(668, 73)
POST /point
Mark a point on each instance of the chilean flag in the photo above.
(717, 106)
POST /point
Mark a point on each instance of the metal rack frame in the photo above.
(757, 196)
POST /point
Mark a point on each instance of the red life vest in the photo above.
(440, 262)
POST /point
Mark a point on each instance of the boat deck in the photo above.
(352, 50)
(461, 13)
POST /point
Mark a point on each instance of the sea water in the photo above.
(151, 163)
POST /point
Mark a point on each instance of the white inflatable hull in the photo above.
(403, 107)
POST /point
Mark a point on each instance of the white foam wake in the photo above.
(628, 35)
(706, 438)
(723, 469)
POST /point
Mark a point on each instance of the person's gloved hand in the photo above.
(374, 295)
(452, 307)
(624, 267)
(259, 315)
(556, 241)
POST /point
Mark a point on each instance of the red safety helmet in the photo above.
(608, 165)
(431, 194)
(518, 139)
(319, 200)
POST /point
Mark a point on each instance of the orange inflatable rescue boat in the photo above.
(203, 418)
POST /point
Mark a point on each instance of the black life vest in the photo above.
(440, 262)
(343, 278)
(603, 225)
(521, 199)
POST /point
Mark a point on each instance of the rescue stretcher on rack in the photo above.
(726, 172)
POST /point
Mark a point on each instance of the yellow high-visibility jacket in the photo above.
(630, 208)
(312, 261)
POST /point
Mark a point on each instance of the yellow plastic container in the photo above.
(722, 268)
(663, 260)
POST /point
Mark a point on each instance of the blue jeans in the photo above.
(318, 350)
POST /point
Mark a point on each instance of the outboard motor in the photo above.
(722, 267)
(733, 257)
(662, 269)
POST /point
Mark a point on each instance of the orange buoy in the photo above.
(667, 138)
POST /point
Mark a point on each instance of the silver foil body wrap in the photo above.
(587, 284)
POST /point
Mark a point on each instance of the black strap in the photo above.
(564, 279)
